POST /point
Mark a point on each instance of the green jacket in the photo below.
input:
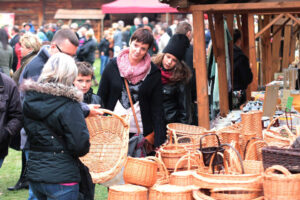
(52, 107)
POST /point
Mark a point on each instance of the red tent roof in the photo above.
(137, 6)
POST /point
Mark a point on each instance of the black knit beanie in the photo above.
(177, 46)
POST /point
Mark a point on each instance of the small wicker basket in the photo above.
(281, 186)
(140, 171)
(127, 192)
(109, 137)
(171, 192)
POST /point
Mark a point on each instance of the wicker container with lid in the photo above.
(127, 192)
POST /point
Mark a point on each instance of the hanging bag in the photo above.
(139, 146)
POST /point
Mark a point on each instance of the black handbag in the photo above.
(208, 152)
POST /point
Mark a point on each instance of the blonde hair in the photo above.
(60, 68)
(31, 41)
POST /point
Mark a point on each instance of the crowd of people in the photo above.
(145, 66)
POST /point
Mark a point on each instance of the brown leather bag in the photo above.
(149, 143)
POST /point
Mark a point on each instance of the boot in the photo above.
(22, 183)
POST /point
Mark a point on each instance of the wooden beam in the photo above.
(293, 48)
(221, 60)
(268, 25)
(266, 53)
(252, 52)
(229, 19)
(262, 7)
(200, 69)
(276, 43)
(286, 46)
(212, 32)
(245, 35)
(281, 27)
(293, 18)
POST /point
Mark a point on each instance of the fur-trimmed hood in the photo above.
(55, 89)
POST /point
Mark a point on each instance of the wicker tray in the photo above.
(289, 158)
(109, 137)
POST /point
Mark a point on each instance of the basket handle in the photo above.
(189, 158)
(238, 154)
(219, 143)
(251, 147)
(161, 164)
(247, 149)
(280, 168)
(105, 111)
(211, 168)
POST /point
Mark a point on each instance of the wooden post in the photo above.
(200, 69)
(266, 52)
(286, 46)
(276, 43)
(229, 19)
(245, 35)
(221, 60)
(293, 46)
(252, 53)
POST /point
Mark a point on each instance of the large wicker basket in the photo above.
(109, 137)
(289, 158)
(281, 186)
(127, 192)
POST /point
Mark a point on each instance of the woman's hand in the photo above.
(94, 110)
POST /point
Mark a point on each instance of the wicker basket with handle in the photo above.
(185, 178)
(140, 171)
(109, 137)
(281, 186)
(127, 192)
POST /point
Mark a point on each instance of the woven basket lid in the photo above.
(128, 188)
(172, 188)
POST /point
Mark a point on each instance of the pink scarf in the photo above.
(133, 74)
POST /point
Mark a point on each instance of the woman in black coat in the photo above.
(175, 76)
(57, 133)
(144, 79)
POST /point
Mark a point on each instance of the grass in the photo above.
(11, 168)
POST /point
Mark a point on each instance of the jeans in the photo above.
(1, 162)
(45, 191)
(31, 196)
(104, 61)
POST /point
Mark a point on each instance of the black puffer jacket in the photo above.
(87, 51)
(47, 108)
(91, 98)
(176, 103)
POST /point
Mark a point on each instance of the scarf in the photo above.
(133, 74)
(165, 75)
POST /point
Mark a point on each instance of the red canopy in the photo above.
(137, 6)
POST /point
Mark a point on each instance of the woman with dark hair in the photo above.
(175, 75)
(6, 53)
(134, 65)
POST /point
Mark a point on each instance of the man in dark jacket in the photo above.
(242, 74)
(104, 51)
(11, 118)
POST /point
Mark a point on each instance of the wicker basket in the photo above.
(109, 137)
(288, 158)
(281, 186)
(235, 193)
(140, 171)
(162, 174)
(185, 178)
(176, 130)
(171, 192)
(127, 192)
(253, 157)
(170, 154)
(199, 195)
(273, 137)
